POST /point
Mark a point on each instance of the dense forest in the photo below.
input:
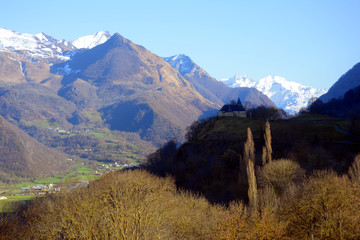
(232, 179)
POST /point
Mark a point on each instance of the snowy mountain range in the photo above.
(290, 96)
(42, 46)
(212, 89)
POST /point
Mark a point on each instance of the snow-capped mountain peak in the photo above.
(290, 96)
(33, 45)
(92, 40)
(239, 81)
(13, 40)
(42, 46)
(181, 62)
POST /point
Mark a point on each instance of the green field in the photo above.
(96, 134)
(13, 191)
(43, 124)
(13, 201)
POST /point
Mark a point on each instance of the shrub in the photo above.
(120, 205)
(279, 174)
(354, 171)
(244, 223)
(327, 208)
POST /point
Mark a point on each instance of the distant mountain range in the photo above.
(214, 90)
(41, 47)
(290, 96)
(107, 81)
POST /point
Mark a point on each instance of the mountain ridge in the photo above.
(348, 81)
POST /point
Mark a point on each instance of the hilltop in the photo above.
(209, 161)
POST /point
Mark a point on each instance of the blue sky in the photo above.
(310, 42)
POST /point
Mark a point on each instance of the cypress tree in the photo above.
(267, 137)
(249, 157)
(264, 155)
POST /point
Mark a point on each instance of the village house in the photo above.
(233, 109)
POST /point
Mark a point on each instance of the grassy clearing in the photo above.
(309, 126)
(81, 172)
(231, 127)
(95, 134)
(318, 119)
(314, 117)
(94, 116)
(84, 169)
(44, 124)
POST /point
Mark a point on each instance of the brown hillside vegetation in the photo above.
(16, 68)
(139, 205)
(121, 205)
(10, 70)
